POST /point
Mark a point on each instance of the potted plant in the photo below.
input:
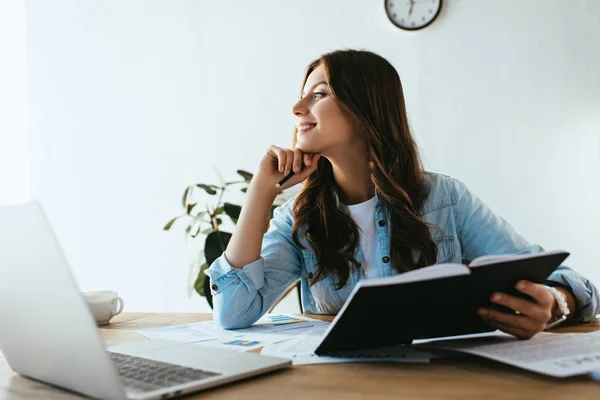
(205, 220)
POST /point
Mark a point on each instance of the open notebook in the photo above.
(436, 301)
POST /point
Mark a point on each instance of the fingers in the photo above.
(289, 160)
(307, 159)
(518, 332)
(298, 160)
(314, 158)
(536, 291)
(525, 307)
(533, 314)
(285, 159)
(278, 153)
(515, 320)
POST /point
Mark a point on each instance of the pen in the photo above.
(284, 180)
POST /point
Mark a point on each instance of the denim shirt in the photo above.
(469, 229)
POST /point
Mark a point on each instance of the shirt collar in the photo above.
(338, 203)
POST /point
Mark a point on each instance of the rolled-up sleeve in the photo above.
(586, 294)
(482, 232)
(242, 295)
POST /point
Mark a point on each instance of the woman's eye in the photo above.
(319, 95)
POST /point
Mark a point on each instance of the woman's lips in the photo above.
(305, 127)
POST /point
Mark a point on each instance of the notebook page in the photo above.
(494, 259)
(422, 274)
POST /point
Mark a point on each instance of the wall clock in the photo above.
(412, 15)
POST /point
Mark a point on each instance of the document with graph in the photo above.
(554, 354)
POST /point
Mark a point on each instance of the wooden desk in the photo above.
(460, 379)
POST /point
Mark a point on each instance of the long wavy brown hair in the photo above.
(369, 88)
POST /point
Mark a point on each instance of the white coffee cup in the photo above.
(104, 305)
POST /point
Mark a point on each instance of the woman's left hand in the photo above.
(531, 315)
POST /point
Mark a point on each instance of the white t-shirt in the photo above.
(364, 216)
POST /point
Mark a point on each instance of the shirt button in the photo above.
(385, 259)
(381, 222)
(214, 287)
(310, 275)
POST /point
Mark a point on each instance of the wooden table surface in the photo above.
(457, 378)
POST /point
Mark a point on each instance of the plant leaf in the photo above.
(199, 284)
(200, 214)
(170, 224)
(209, 188)
(245, 174)
(220, 176)
(190, 207)
(187, 194)
(216, 243)
(195, 227)
(233, 211)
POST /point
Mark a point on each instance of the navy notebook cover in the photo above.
(395, 314)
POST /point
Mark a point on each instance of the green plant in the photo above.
(205, 221)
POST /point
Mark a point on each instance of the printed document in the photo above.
(554, 354)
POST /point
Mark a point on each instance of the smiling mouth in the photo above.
(305, 128)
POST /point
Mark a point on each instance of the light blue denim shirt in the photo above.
(469, 229)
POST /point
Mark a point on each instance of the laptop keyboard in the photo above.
(142, 374)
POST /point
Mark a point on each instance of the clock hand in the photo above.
(410, 9)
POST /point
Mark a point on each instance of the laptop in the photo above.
(48, 333)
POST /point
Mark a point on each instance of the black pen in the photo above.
(285, 179)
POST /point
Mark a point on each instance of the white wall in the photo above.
(131, 101)
(14, 134)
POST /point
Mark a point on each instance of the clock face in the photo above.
(412, 14)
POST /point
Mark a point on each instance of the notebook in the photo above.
(431, 302)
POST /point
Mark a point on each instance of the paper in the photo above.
(299, 348)
(494, 334)
(437, 271)
(275, 323)
(493, 259)
(558, 355)
(272, 328)
(187, 333)
(301, 351)
(245, 342)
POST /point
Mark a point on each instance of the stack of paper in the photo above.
(296, 338)
(555, 354)
(301, 350)
(271, 329)
(279, 335)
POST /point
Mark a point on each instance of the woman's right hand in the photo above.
(278, 162)
(245, 244)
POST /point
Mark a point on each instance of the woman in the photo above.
(367, 209)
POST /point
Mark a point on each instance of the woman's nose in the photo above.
(300, 108)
